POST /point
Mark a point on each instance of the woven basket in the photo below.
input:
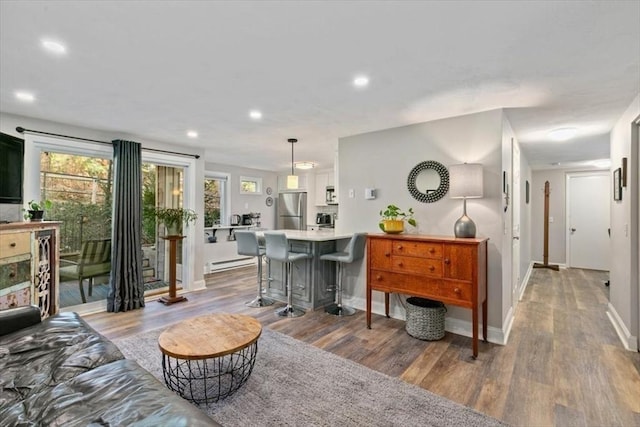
(425, 318)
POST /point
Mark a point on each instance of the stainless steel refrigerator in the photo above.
(292, 211)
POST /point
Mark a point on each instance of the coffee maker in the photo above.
(247, 219)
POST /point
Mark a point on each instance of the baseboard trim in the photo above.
(628, 341)
(525, 281)
(455, 326)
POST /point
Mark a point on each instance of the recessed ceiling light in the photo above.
(25, 96)
(305, 165)
(361, 81)
(54, 46)
(255, 114)
(562, 134)
(192, 134)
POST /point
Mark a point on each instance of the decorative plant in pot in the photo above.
(35, 212)
(393, 219)
(174, 218)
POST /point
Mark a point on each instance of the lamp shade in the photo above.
(292, 182)
(465, 181)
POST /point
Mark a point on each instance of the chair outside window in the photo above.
(94, 261)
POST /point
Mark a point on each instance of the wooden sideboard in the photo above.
(447, 269)
(29, 259)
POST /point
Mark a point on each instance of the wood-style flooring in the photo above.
(563, 366)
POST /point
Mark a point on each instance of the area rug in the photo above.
(296, 384)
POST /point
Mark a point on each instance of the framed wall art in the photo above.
(617, 184)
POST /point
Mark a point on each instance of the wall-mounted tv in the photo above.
(11, 168)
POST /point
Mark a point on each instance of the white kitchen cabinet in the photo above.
(322, 180)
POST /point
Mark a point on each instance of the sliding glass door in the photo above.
(78, 178)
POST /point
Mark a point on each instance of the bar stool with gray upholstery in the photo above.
(249, 244)
(278, 249)
(353, 252)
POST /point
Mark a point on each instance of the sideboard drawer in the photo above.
(12, 244)
(420, 249)
(14, 273)
(404, 283)
(459, 291)
(426, 266)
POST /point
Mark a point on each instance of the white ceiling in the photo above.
(157, 69)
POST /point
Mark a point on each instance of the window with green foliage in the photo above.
(213, 200)
(250, 185)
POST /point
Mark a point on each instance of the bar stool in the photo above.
(353, 252)
(249, 244)
(278, 249)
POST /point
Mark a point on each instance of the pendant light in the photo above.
(292, 180)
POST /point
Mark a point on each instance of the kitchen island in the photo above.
(313, 283)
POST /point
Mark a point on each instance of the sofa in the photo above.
(60, 371)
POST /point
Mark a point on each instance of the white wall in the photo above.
(623, 294)
(526, 236)
(9, 122)
(390, 155)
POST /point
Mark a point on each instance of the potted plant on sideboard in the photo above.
(393, 219)
(174, 218)
(35, 211)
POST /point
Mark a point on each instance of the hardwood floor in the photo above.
(564, 364)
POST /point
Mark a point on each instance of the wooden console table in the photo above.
(447, 269)
(172, 298)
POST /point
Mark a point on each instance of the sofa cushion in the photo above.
(48, 353)
(117, 394)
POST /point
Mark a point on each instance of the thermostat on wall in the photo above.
(369, 193)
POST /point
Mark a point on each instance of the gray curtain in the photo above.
(126, 291)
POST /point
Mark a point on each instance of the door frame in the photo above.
(516, 220)
(567, 209)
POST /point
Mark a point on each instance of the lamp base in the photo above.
(464, 227)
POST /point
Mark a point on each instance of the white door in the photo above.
(588, 200)
(515, 221)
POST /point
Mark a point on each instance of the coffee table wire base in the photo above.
(209, 380)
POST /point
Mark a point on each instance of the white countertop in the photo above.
(321, 235)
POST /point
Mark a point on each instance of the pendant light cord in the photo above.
(292, 141)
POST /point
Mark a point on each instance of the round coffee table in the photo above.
(208, 358)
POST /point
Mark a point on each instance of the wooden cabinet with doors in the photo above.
(446, 269)
(29, 265)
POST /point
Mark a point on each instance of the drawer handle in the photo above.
(13, 244)
(12, 275)
(400, 264)
(378, 277)
(399, 247)
(431, 268)
(387, 254)
(456, 290)
(431, 250)
(447, 261)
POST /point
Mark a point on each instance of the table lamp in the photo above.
(465, 183)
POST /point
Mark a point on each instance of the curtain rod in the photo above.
(20, 129)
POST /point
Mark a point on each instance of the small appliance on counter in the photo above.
(324, 220)
(235, 220)
(247, 219)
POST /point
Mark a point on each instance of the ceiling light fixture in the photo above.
(292, 180)
(305, 165)
(361, 81)
(54, 47)
(25, 96)
(192, 134)
(255, 114)
(562, 134)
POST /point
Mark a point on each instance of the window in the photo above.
(215, 199)
(250, 185)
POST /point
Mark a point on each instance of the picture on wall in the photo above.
(617, 184)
